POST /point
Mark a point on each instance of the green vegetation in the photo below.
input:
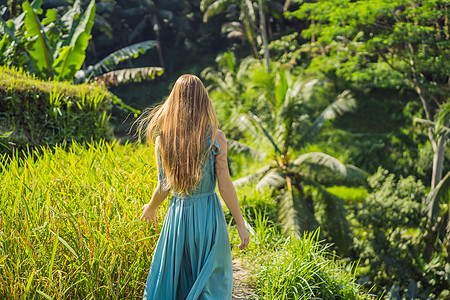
(55, 48)
(400, 44)
(391, 236)
(70, 222)
(35, 112)
(70, 229)
(296, 268)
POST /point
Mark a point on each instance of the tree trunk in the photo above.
(158, 42)
(262, 28)
(248, 28)
(438, 161)
(12, 5)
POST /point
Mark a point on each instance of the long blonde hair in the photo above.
(183, 123)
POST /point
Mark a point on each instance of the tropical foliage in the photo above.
(401, 44)
(392, 238)
(286, 118)
(55, 47)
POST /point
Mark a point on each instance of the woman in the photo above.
(192, 259)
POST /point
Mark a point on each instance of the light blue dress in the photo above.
(192, 259)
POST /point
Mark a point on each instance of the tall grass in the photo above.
(291, 267)
(69, 229)
(69, 226)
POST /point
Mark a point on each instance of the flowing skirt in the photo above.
(192, 259)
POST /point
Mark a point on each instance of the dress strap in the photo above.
(214, 151)
(212, 156)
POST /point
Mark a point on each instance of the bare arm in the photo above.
(149, 213)
(227, 190)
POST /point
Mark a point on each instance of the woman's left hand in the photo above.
(149, 215)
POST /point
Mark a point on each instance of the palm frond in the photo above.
(259, 123)
(293, 214)
(281, 87)
(242, 148)
(432, 203)
(337, 225)
(290, 214)
(252, 177)
(322, 160)
(301, 88)
(129, 75)
(273, 179)
(111, 61)
(214, 8)
(244, 66)
(344, 103)
(246, 125)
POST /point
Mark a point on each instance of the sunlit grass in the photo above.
(69, 229)
(290, 267)
(69, 223)
(349, 194)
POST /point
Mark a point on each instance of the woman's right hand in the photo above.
(244, 235)
(149, 215)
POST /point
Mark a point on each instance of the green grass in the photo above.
(70, 229)
(69, 223)
(291, 267)
(349, 194)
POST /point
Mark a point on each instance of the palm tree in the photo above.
(230, 79)
(246, 26)
(288, 124)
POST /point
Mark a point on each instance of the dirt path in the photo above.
(241, 291)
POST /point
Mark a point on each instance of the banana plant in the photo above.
(61, 60)
(287, 127)
(12, 46)
(55, 48)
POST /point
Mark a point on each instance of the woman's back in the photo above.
(193, 259)
(209, 177)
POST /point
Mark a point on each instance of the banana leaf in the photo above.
(71, 57)
(40, 50)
